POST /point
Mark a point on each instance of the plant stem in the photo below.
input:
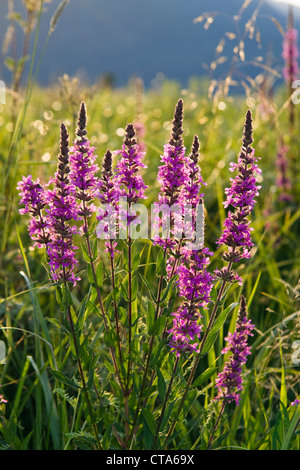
(99, 297)
(197, 360)
(216, 425)
(151, 342)
(115, 303)
(129, 307)
(127, 389)
(165, 403)
(69, 317)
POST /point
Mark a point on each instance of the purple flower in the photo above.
(2, 399)
(190, 197)
(61, 210)
(108, 194)
(140, 133)
(128, 180)
(290, 55)
(194, 284)
(194, 281)
(241, 197)
(32, 195)
(83, 168)
(229, 381)
(189, 201)
(190, 193)
(283, 183)
(295, 402)
(172, 175)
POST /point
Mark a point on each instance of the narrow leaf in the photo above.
(207, 374)
(150, 420)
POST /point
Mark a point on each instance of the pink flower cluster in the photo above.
(290, 54)
(229, 381)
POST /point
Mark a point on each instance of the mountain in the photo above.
(143, 37)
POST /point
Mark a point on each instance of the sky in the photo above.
(94, 38)
(295, 3)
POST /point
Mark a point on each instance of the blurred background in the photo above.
(152, 39)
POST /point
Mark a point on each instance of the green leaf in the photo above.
(190, 398)
(158, 326)
(167, 289)
(148, 287)
(212, 335)
(110, 338)
(136, 261)
(162, 387)
(161, 264)
(150, 391)
(85, 253)
(62, 378)
(148, 436)
(291, 429)
(92, 371)
(122, 314)
(150, 420)
(107, 438)
(150, 315)
(136, 383)
(156, 353)
(281, 429)
(73, 401)
(214, 294)
(90, 275)
(81, 436)
(67, 298)
(116, 294)
(81, 316)
(167, 414)
(204, 376)
(99, 274)
(55, 322)
(134, 289)
(124, 290)
(283, 390)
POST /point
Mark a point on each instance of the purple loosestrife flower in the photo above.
(194, 286)
(140, 133)
(194, 283)
(172, 175)
(62, 209)
(189, 199)
(295, 402)
(283, 183)
(83, 168)
(32, 195)
(129, 182)
(190, 196)
(190, 192)
(241, 196)
(290, 55)
(108, 194)
(229, 381)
